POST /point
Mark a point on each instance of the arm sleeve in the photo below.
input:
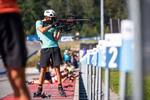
(55, 31)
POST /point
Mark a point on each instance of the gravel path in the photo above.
(113, 96)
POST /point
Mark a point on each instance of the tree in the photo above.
(32, 10)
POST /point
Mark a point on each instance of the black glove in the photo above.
(54, 24)
(60, 29)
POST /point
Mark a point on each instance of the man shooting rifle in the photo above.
(67, 24)
(49, 34)
(49, 30)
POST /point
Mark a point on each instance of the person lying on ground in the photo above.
(50, 79)
(73, 75)
(47, 80)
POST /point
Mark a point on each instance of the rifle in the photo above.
(66, 24)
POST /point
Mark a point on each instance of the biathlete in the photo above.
(49, 36)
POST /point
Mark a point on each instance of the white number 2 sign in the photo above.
(113, 45)
(114, 52)
(112, 59)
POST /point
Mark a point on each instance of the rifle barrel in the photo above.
(72, 20)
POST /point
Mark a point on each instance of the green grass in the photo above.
(146, 86)
(128, 85)
(32, 61)
(74, 44)
(114, 81)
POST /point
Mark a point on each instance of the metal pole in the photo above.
(122, 85)
(106, 84)
(93, 84)
(119, 26)
(96, 86)
(87, 76)
(84, 76)
(106, 69)
(102, 19)
(111, 26)
(100, 84)
(87, 81)
(102, 37)
(135, 16)
(90, 82)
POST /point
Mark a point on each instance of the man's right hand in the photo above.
(54, 24)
